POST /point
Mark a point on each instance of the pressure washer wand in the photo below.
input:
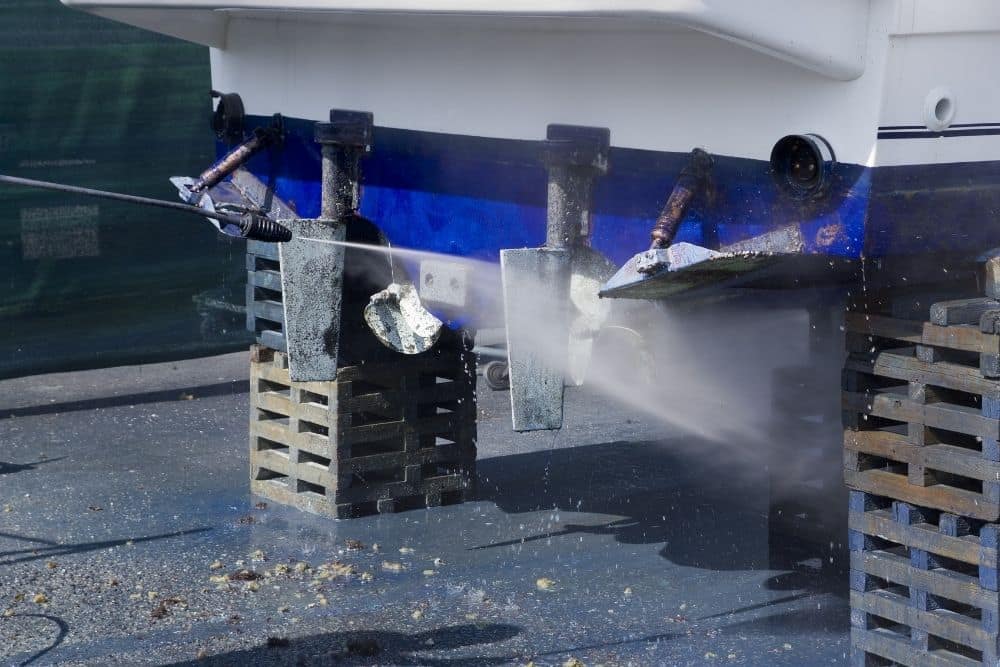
(251, 225)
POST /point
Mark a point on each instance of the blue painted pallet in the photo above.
(921, 419)
(923, 585)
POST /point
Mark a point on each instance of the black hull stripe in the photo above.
(979, 131)
(924, 127)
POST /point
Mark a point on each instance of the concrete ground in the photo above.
(122, 489)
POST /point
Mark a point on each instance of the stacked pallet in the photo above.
(921, 403)
(265, 314)
(382, 437)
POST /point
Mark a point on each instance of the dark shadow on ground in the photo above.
(7, 468)
(707, 514)
(63, 627)
(52, 549)
(164, 396)
(794, 622)
(371, 648)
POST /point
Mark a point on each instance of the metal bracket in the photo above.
(536, 281)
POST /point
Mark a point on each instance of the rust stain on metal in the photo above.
(827, 235)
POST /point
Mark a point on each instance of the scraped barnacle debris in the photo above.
(258, 556)
(245, 575)
(406, 550)
(573, 662)
(392, 566)
(162, 610)
(544, 584)
(40, 598)
(300, 567)
(355, 545)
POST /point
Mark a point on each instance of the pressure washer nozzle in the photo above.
(259, 228)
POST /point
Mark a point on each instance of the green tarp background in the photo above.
(87, 282)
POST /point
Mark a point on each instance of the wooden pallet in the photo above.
(921, 417)
(265, 308)
(381, 438)
(923, 585)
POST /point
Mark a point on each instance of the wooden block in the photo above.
(961, 311)
(927, 354)
(991, 275)
(989, 322)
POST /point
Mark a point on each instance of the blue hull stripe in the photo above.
(474, 196)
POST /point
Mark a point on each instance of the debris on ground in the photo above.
(247, 520)
(40, 598)
(216, 565)
(573, 662)
(355, 545)
(406, 550)
(95, 508)
(392, 566)
(544, 584)
(51, 565)
(260, 506)
(185, 396)
(438, 562)
(162, 610)
(245, 575)
(258, 556)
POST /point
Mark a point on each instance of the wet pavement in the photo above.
(124, 503)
